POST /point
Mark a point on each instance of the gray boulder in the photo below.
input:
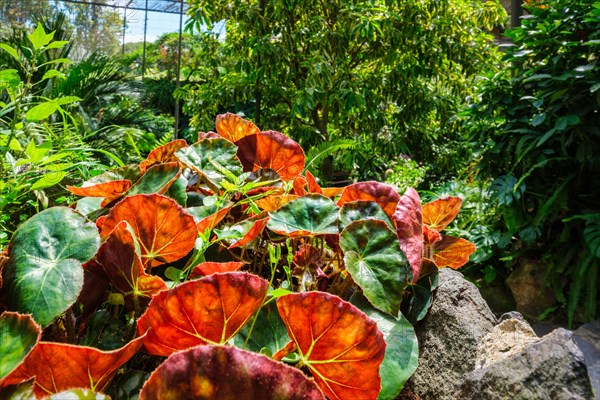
(552, 367)
(449, 336)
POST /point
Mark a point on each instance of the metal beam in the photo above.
(119, 6)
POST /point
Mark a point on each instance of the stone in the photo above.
(449, 336)
(552, 367)
(587, 338)
(509, 337)
(526, 284)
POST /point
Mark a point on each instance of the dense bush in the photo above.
(538, 129)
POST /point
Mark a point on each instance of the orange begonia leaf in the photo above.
(210, 267)
(272, 150)
(163, 154)
(313, 186)
(439, 213)
(451, 252)
(227, 373)
(337, 342)
(123, 265)
(332, 191)
(163, 229)
(207, 136)
(409, 228)
(300, 184)
(3, 262)
(381, 193)
(211, 221)
(57, 367)
(105, 189)
(272, 203)
(208, 310)
(233, 127)
(257, 228)
(430, 236)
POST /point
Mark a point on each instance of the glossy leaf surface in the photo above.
(164, 230)
(257, 227)
(409, 228)
(106, 189)
(163, 154)
(452, 252)
(18, 334)
(274, 150)
(57, 367)
(373, 257)
(439, 213)
(233, 127)
(381, 193)
(207, 310)
(212, 158)
(422, 292)
(272, 203)
(401, 351)
(341, 347)
(268, 333)
(227, 373)
(211, 267)
(306, 216)
(157, 179)
(44, 275)
(357, 210)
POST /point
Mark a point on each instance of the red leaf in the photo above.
(95, 283)
(164, 230)
(439, 213)
(381, 193)
(211, 221)
(338, 343)
(409, 227)
(452, 252)
(252, 234)
(272, 150)
(430, 236)
(211, 267)
(300, 183)
(208, 310)
(163, 154)
(227, 373)
(207, 136)
(105, 189)
(123, 265)
(233, 127)
(272, 203)
(313, 186)
(332, 191)
(57, 367)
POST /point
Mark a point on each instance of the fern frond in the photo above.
(317, 154)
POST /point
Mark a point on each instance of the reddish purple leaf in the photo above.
(409, 227)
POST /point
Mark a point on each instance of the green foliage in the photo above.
(347, 70)
(536, 128)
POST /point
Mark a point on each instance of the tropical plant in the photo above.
(152, 256)
(536, 129)
(389, 74)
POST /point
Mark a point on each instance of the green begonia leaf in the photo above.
(18, 334)
(44, 274)
(309, 215)
(357, 210)
(374, 260)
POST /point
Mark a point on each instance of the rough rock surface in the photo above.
(550, 368)
(587, 338)
(448, 337)
(526, 283)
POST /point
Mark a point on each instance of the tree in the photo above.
(387, 74)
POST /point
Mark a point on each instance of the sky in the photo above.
(158, 24)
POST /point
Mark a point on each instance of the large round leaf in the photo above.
(233, 127)
(104, 189)
(165, 231)
(439, 213)
(266, 333)
(44, 274)
(373, 257)
(163, 154)
(360, 209)
(313, 214)
(212, 158)
(157, 179)
(339, 344)
(18, 334)
(452, 252)
(58, 366)
(409, 228)
(401, 351)
(274, 150)
(227, 373)
(381, 193)
(208, 310)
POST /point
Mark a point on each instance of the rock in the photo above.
(526, 284)
(509, 337)
(448, 337)
(587, 338)
(552, 367)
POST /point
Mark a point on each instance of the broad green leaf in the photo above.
(66, 100)
(309, 215)
(401, 351)
(9, 77)
(48, 179)
(41, 111)
(57, 44)
(52, 73)
(422, 292)
(157, 179)
(10, 50)
(18, 334)
(357, 210)
(213, 158)
(39, 37)
(269, 332)
(374, 260)
(37, 152)
(44, 274)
